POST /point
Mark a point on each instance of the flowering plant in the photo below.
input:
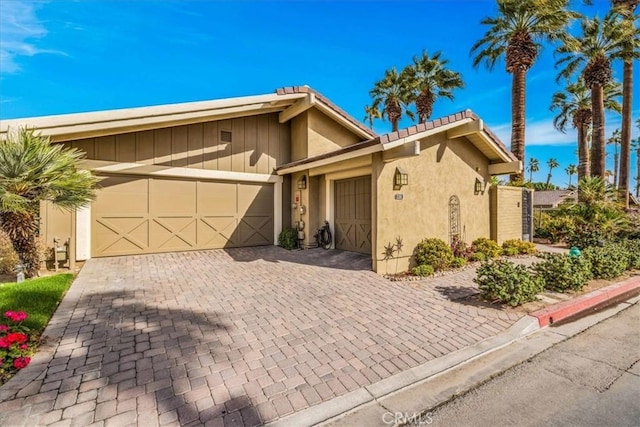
(15, 344)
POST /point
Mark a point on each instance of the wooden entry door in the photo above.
(353, 214)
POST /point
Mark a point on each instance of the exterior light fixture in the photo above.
(400, 178)
(302, 182)
(479, 187)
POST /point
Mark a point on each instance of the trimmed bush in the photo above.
(423, 270)
(607, 262)
(288, 238)
(560, 272)
(8, 256)
(458, 262)
(518, 247)
(488, 247)
(505, 282)
(433, 252)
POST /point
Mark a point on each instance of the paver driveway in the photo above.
(236, 337)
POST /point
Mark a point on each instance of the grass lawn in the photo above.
(38, 297)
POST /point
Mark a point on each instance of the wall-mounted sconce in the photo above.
(479, 187)
(302, 182)
(400, 178)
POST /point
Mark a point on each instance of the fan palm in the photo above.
(533, 166)
(571, 170)
(630, 52)
(552, 163)
(32, 171)
(517, 33)
(370, 114)
(430, 79)
(393, 94)
(601, 40)
(574, 105)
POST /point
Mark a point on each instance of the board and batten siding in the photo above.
(259, 144)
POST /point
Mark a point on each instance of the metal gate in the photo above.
(527, 215)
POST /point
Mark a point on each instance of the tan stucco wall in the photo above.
(299, 136)
(443, 169)
(314, 133)
(54, 222)
(259, 144)
(326, 135)
(506, 213)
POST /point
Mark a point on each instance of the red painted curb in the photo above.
(565, 309)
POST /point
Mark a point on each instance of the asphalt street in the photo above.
(591, 379)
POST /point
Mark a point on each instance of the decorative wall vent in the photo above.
(225, 136)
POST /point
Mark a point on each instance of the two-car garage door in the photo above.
(137, 215)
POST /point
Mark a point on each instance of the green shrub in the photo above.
(505, 282)
(479, 256)
(433, 252)
(510, 251)
(8, 256)
(423, 270)
(554, 226)
(288, 238)
(458, 262)
(518, 247)
(488, 247)
(561, 272)
(633, 249)
(607, 262)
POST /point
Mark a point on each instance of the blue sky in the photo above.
(70, 56)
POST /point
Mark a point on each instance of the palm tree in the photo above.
(533, 166)
(630, 51)
(571, 170)
(32, 171)
(600, 42)
(393, 93)
(552, 163)
(430, 79)
(574, 105)
(517, 33)
(371, 113)
(615, 141)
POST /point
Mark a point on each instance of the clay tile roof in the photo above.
(403, 133)
(328, 103)
(433, 124)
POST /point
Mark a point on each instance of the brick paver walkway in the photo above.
(235, 337)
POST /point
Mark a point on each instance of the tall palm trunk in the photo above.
(598, 141)
(518, 90)
(616, 162)
(625, 143)
(584, 171)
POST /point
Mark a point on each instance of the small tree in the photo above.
(32, 171)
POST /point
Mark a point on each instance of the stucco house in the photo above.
(234, 172)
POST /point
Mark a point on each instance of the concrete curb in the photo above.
(572, 307)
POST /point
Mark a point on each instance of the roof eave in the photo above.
(84, 125)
